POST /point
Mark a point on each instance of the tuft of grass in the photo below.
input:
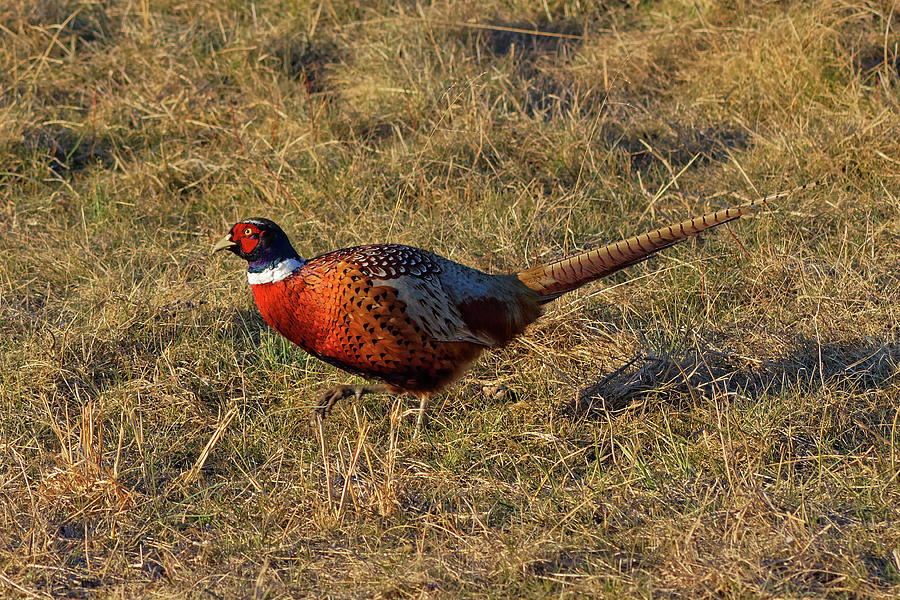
(718, 422)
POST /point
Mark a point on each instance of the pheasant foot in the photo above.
(331, 396)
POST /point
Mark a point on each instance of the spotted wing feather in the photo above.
(448, 301)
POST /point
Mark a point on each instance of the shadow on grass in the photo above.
(701, 371)
(872, 60)
(80, 25)
(675, 146)
(503, 37)
(66, 150)
(304, 60)
(246, 328)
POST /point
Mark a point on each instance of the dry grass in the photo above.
(721, 422)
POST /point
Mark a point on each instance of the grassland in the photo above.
(720, 422)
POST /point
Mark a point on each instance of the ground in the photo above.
(719, 422)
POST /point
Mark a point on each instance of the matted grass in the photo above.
(720, 422)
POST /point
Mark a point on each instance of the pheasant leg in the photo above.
(422, 417)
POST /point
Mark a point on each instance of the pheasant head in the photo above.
(264, 246)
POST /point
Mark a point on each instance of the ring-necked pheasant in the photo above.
(410, 318)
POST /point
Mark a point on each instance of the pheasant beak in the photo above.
(225, 244)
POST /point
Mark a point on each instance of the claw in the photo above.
(331, 396)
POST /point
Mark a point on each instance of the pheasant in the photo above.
(409, 318)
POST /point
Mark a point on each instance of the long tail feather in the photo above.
(556, 278)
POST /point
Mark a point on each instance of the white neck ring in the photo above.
(274, 273)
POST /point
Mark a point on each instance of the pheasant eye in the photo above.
(248, 231)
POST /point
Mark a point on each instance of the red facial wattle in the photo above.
(248, 244)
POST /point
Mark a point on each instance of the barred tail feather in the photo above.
(556, 278)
